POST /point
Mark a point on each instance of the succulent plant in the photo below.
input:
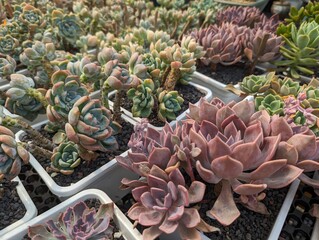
(307, 13)
(66, 90)
(11, 155)
(312, 99)
(90, 126)
(261, 46)
(23, 99)
(254, 84)
(169, 105)
(222, 44)
(163, 205)
(8, 45)
(78, 221)
(286, 86)
(32, 18)
(238, 148)
(68, 26)
(273, 104)
(65, 158)
(143, 99)
(301, 50)
(7, 66)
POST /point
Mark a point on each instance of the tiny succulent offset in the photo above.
(77, 222)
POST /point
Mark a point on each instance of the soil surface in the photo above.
(227, 74)
(85, 168)
(249, 226)
(188, 92)
(11, 207)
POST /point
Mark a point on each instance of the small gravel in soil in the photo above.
(227, 74)
(12, 208)
(84, 169)
(188, 92)
(250, 225)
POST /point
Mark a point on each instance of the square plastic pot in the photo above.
(123, 224)
(31, 210)
(106, 178)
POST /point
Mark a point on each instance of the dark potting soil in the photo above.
(85, 168)
(11, 206)
(94, 203)
(227, 74)
(249, 226)
(188, 92)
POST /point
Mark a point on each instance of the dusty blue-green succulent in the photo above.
(65, 158)
(68, 26)
(169, 105)
(23, 99)
(8, 45)
(143, 98)
(7, 66)
(66, 90)
(273, 104)
(90, 126)
(39, 54)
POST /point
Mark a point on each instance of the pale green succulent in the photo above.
(7, 66)
(143, 99)
(65, 158)
(256, 83)
(273, 104)
(301, 51)
(169, 105)
(8, 45)
(23, 99)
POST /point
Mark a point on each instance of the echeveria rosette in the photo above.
(169, 105)
(32, 17)
(66, 90)
(11, 155)
(8, 45)
(166, 149)
(22, 97)
(68, 25)
(76, 222)
(7, 66)
(238, 152)
(162, 205)
(273, 104)
(312, 99)
(143, 98)
(254, 84)
(286, 86)
(65, 158)
(90, 126)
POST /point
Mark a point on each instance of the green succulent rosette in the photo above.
(8, 45)
(273, 104)
(143, 99)
(169, 105)
(65, 158)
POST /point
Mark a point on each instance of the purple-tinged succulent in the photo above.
(77, 222)
(11, 155)
(238, 152)
(163, 201)
(223, 44)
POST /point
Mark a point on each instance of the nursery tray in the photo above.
(261, 4)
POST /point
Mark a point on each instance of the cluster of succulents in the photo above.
(78, 221)
(239, 34)
(232, 146)
(285, 97)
